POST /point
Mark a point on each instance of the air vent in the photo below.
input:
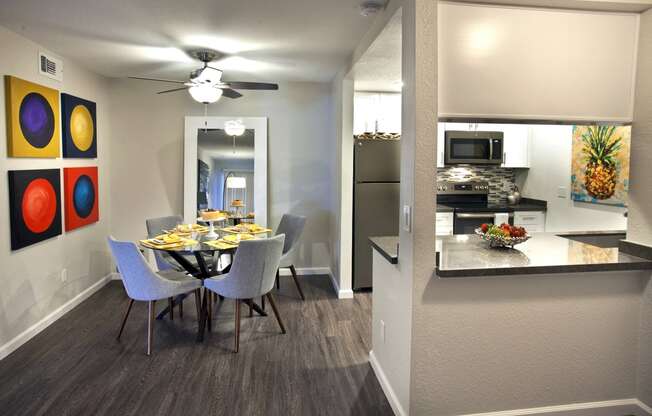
(50, 66)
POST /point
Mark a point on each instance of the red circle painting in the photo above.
(39, 205)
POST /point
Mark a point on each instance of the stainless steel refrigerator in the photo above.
(377, 175)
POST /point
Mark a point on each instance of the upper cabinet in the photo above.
(375, 111)
(525, 63)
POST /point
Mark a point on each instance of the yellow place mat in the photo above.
(236, 238)
(177, 244)
(247, 228)
(221, 245)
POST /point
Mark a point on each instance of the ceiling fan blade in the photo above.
(172, 90)
(229, 93)
(251, 85)
(159, 80)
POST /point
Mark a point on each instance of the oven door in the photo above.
(467, 222)
(476, 147)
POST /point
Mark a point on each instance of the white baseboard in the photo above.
(307, 271)
(387, 388)
(341, 293)
(606, 408)
(35, 329)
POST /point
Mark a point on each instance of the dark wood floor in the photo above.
(76, 367)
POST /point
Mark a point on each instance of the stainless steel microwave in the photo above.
(474, 147)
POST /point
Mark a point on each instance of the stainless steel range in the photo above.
(471, 207)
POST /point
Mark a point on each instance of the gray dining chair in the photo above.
(156, 226)
(251, 275)
(292, 226)
(142, 283)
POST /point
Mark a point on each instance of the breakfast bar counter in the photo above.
(460, 256)
(544, 253)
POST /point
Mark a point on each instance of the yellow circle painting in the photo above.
(81, 127)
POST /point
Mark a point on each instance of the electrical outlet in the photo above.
(64, 275)
(382, 330)
(562, 192)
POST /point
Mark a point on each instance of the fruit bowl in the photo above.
(498, 236)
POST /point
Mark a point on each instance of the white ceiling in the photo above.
(216, 144)
(379, 68)
(279, 40)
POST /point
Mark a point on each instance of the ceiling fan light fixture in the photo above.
(205, 94)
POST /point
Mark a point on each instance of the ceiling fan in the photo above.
(205, 84)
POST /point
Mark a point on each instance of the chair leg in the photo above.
(251, 308)
(150, 326)
(296, 281)
(124, 321)
(209, 309)
(262, 302)
(171, 306)
(278, 317)
(237, 324)
(198, 303)
(181, 307)
(278, 281)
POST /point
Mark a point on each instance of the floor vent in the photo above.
(50, 66)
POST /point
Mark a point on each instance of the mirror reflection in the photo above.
(225, 170)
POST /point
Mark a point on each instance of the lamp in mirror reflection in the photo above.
(234, 128)
(236, 186)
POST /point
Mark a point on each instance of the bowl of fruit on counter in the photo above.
(503, 235)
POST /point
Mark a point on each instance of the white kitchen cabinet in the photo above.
(532, 221)
(376, 111)
(530, 63)
(444, 223)
(441, 130)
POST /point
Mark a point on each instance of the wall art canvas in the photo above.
(34, 206)
(32, 119)
(79, 127)
(81, 197)
(600, 164)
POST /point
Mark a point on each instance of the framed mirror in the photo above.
(225, 167)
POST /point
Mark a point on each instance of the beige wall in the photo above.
(640, 199)
(31, 283)
(640, 194)
(147, 170)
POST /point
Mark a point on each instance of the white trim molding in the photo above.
(195, 123)
(52, 317)
(387, 388)
(341, 293)
(632, 407)
(310, 271)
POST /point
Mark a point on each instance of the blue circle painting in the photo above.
(83, 196)
(36, 120)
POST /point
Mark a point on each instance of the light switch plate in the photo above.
(407, 218)
(562, 192)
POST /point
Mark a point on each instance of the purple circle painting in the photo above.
(36, 120)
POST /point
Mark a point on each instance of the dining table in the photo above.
(205, 250)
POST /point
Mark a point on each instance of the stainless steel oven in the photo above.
(474, 147)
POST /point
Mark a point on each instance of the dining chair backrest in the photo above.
(138, 278)
(254, 268)
(292, 226)
(155, 226)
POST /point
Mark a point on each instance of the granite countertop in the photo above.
(469, 256)
(387, 247)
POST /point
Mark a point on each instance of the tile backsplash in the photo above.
(501, 180)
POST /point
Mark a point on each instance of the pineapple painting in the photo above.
(600, 164)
